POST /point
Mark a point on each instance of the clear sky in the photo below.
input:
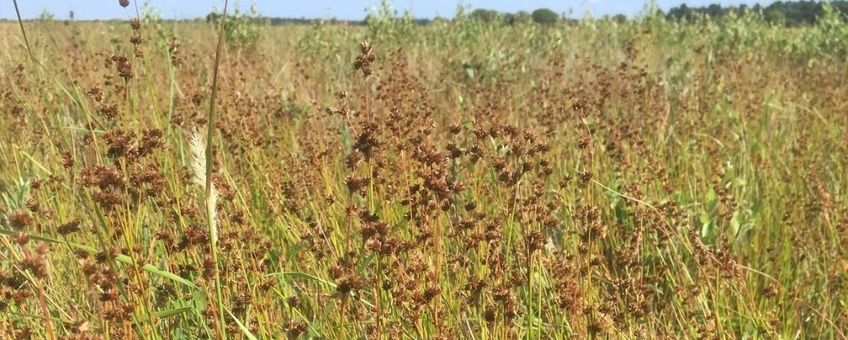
(341, 9)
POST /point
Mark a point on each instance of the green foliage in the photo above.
(775, 15)
(241, 29)
(518, 18)
(316, 42)
(541, 16)
(545, 16)
(834, 31)
(485, 15)
(385, 24)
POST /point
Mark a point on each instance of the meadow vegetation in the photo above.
(465, 179)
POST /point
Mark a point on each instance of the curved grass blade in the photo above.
(241, 326)
(304, 276)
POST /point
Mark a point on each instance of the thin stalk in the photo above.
(437, 249)
(23, 31)
(210, 124)
(379, 299)
(528, 316)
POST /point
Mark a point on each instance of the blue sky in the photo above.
(342, 9)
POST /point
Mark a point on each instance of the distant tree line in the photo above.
(213, 17)
(793, 13)
(541, 16)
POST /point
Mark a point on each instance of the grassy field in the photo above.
(466, 180)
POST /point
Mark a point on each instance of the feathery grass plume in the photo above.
(198, 168)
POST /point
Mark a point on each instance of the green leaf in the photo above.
(172, 312)
(706, 228)
(168, 313)
(200, 300)
(241, 326)
(304, 276)
(712, 201)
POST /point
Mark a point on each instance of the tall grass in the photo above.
(457, 180)
(211, 195)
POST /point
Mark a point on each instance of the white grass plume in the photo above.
(198, 167)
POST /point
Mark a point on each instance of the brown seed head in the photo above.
(20, 219)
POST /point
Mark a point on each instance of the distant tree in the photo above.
(680, 12)
(212, 17)
(46, 16)
(775, 16)
(485, 15)
(620, 18)
(715, 11)
(520, 17)
(545, 16)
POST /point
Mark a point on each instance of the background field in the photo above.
(469, 180)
